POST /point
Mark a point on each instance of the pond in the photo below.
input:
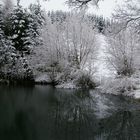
(46, 113)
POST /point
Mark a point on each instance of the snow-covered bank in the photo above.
(136, 94)
(72, 79)
(67, 86)
(43, 79)
(109, 82)
(126, 86)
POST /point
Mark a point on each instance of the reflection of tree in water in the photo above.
(55, 114)
(74, 116)
(119, 126)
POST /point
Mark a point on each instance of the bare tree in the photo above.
(81, 3)
(129, 14)
(124, 52)
(72, 40)
(67, 47)
(80, 40)
(124, 43)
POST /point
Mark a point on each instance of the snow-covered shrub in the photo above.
(84, 80)
(17, 69)
(67, 74)
(68, 47)
(76, 78)
(21, 70)
(123, 52)
(121, 85)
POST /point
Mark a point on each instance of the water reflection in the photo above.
(45, 113)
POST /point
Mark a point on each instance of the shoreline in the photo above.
(134, 94)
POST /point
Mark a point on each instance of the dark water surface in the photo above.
(45, 113)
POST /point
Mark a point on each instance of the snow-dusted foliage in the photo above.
(36, 21)
(19, 29)
(82, 3)
(17, 69)
(123, 52)
(13, 63)
(129, 14)
(68, 47)
(6, 49)
(117, 86)
(12, 66)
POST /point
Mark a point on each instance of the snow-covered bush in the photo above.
(121, 85)
(123, 52)
(84, 80)
(67, 47)
(76, 78)
(17, 69)
(21, 70)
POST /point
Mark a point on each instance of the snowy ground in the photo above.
(43, 78)
(136, 94)
(67, 86)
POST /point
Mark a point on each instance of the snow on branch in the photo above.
(81, 3)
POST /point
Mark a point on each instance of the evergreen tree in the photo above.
(36, 22)
(7, 52)
(14, 42)
(19, 29)
(7, 10)
(2, 42)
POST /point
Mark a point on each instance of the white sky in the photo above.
(105, 7)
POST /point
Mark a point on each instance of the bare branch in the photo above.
(81, 3)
